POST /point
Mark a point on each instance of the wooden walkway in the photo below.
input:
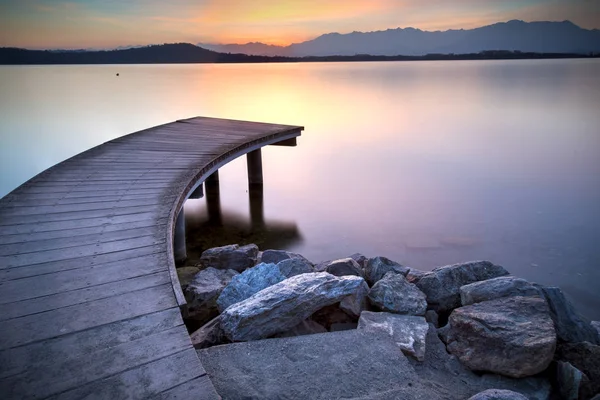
(89, 296)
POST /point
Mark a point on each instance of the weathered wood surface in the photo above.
(89, 297)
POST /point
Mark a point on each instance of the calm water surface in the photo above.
(428, 163)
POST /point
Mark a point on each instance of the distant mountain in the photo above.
(539, 37)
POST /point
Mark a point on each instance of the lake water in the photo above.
(427, 163)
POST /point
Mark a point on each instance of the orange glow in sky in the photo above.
(107, 24)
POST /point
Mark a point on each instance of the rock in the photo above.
(343, 326)
(186, 275)
(306, 327)
(596, 326)
(342, 267)
(495, 288)
(415, 274)
(331, 315)
(442, 285)
(571, 327)
(377, 267)
(432, 318)
(569, 380)
(533, 388)
(498, 394)
(586, 358)
(276, 256)
(360, 259)
(232, 256)
(408, 332)
(443, 333)
(395, 294)
(356, 303)
(249, 282)
(209, 335)
(294, 266)
(284, 305)
(512, 336)
(202, 293)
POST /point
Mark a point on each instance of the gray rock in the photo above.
(306, 327)
(203, 291)
(284, 305)
(442, 285)
(585, 357)
(498, 394)
(415, 274)
(377, 267)
(356, 303)
(209, 335)
(249, 282)
(432, 318)
(408, 332)
(230, 257)
(276, 256)
(342, 267)
(569, 380)
(596, 326)
(571, 327)
(186, 275)
(512, 336)
(395, 294)
(294, 266)
(360, 259)
(495, 288)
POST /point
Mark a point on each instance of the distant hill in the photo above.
(537, 37)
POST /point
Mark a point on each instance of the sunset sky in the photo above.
(112, 23)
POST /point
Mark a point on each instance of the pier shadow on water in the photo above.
(209, 225)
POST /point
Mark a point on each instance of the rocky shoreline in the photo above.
(461, 330)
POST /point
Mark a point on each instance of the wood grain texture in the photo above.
(89, 295)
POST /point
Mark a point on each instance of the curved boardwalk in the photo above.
(89, 300)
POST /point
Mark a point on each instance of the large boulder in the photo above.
(511, 336)
(360, 259)
(415, 274)
(407, 331)
(203, 291)
(596, 326)
(294, 266)
(276, 256)
(377, 267)
(495, 288)
(569, 380)
(442, 285)
(284, 305)
(211, 334)
(356, 303)
(586, 358)
(342, 267)
(571, 327)
(249, 282)
(232, 256)
(498, 394)
(395, 294)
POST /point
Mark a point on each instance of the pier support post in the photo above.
(214, 178)
(254, 160)
(213, 201)
(257, 211)
(179, 249)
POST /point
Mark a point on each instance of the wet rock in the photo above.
(360, 259)
(395, 294)
(377, 267)
(294, 266)
(415, 274)
(248, 283)
(276, 256)
(569, 380)
(342, 267)
(432, 318)
(203, 291)
(408, 332)
(232, 256)
(356, 303)
(284, 305)
(209, 335)
(586, 358)
(186, 275)
(442, 285)
(511, 336)
(571, 327)
(498, 394)
(495, 288)
(306, 327)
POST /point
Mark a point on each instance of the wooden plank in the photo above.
(144, 381)
(34, 303)
(69, 208)
(18, 359)
(40, 381)
(197, 388)
(46, 325)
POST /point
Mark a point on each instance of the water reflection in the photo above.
(208, 225)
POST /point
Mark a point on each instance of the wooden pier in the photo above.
(89, 294)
